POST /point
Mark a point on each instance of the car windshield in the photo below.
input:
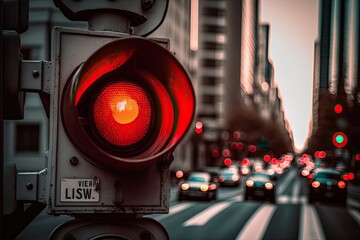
(329, 175)
(260, 176)
(228, 174)
(197, 178)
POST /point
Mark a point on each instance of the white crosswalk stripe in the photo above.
(310, 224)
(204, 216)
(256, 225)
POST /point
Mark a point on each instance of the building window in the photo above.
(210, 28)
(209, 99)
(213, 46)
(212, 62)
(210, 80)
(214, 12)
(27, 138)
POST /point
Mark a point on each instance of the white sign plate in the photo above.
(79, 190)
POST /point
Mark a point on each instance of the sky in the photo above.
(293, 31)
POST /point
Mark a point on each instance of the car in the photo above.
(260, 186)
(229, 177)
(198, 185)
(328, 186)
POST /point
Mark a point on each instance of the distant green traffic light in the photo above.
(340, 139)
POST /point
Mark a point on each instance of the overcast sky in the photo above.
(293, 31)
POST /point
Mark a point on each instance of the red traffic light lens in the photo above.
(338, 108)
(122, 113)
(123, 109)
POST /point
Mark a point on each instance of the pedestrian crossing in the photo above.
(191, 216)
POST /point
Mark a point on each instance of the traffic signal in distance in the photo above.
(339, 139)
(120, 105)
(338, 108)
(199, 127)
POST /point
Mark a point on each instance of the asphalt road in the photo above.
(230, 217)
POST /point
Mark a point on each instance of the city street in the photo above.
(230, 217)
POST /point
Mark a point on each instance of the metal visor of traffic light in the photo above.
(339, 139)
(128, 105)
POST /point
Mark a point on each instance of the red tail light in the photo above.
(315, 184)
(341, 184)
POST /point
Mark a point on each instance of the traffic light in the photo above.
(15, 20)
(119, 106)
(338, 108)
(339, 139)
(199, 127)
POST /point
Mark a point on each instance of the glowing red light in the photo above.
(199, 127)
(338, 108)
(267, 158)
(252, 148)
(227, 162)
(239, 146)
(245, 161)
(215, 153)
(179, 174)
(341, 184)
(322, 154)
(351, 176)
(236, 135)
(357, 157)
(316, 154)
(226, 152)
(315, 184)
(102, 67)
(122, 113)
(233, 145)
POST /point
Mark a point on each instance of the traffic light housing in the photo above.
(120, 105)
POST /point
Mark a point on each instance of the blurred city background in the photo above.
(241, 128)
(240, 111)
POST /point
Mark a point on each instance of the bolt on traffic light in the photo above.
(120, 106)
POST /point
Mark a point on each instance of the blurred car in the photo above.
(260, 186)
(272, 173)
(229, 177)
(327, 185)
(214, 171)
(198, 185)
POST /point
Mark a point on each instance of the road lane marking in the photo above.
(355, 214)
(237, 198)
(282, 199)
(203, 217)
(257, 224)
(295, 192)
(310, 226)
(288, 178)
(173, 210)
(353, 202)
